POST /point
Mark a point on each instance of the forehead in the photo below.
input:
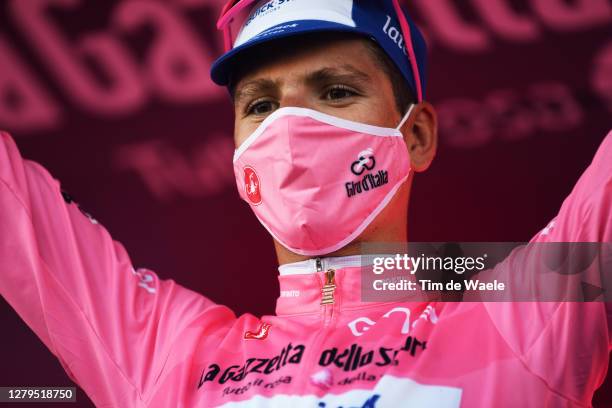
(297, 58)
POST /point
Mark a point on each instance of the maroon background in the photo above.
(524, 91)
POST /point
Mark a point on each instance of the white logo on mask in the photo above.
(365, 161)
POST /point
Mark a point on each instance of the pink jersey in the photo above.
(130, 339)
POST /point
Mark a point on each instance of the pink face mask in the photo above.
(316, 181)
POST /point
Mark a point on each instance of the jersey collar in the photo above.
(322, 264)
(303, 285)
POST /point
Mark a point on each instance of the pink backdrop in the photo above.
(114, 99)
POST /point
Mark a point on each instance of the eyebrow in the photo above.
(343, 73)
(255, 87)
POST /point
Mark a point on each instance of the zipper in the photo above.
(327, 292)
(327, 301)
(328, 289)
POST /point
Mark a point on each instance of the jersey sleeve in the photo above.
(565, 344)
(111, 327)
(586, 214)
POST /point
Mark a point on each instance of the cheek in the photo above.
(386, 109)
(388, 115)
(377, 111)
(372, 110)
(238, 140)
(242, 131)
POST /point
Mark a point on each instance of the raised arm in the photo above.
(566, 344)
(111, 327)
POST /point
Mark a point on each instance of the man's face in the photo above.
(338, 76)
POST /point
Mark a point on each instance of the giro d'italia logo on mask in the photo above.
(252, 186)
(365, 164)
(365, 161)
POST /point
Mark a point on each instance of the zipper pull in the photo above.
(328, 289)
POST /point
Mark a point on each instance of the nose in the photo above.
(295, 95)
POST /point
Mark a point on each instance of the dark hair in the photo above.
(401, 91)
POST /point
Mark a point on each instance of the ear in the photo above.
(421, 136)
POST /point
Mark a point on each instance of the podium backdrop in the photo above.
(113, 97)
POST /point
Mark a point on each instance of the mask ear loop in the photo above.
(406, 116)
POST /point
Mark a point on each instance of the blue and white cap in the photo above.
(273, 19)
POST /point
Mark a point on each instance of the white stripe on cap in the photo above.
(270, 13)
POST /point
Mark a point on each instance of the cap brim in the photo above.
(223, 66)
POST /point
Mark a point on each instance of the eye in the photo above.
(261, 107)
(339, 92)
